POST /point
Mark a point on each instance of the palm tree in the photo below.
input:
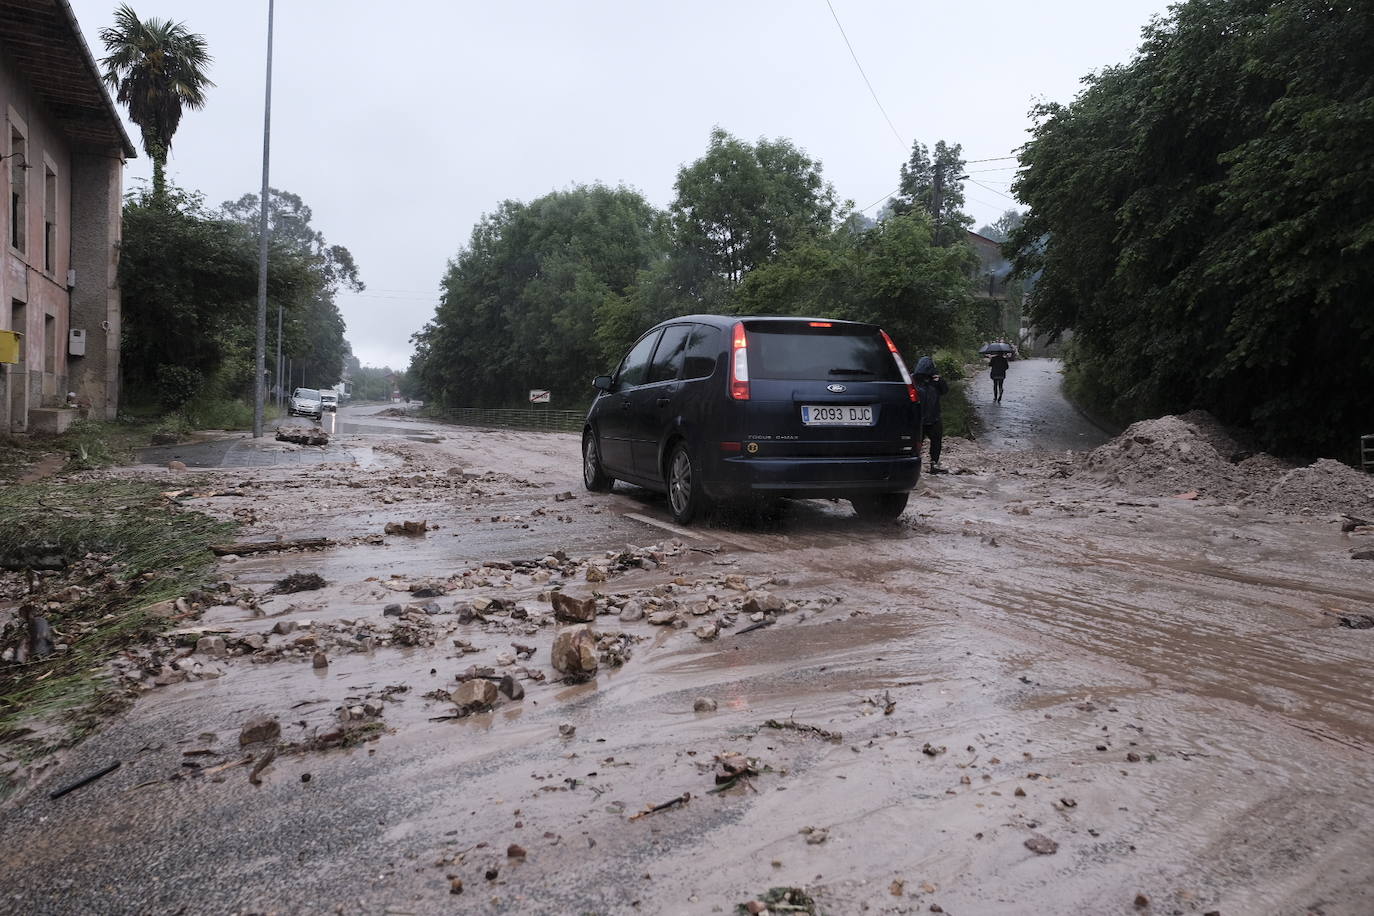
(157, 68)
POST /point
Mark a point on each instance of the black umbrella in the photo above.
(989, 349)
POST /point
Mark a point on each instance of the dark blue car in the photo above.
(713, 407)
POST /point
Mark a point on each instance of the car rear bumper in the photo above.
(818, 478)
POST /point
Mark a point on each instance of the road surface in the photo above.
(1034, 413)
(1034, 693)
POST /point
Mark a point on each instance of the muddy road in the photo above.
(1034, 692)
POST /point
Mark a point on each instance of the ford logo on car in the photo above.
(835, 388)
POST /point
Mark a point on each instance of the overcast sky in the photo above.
(401, 123)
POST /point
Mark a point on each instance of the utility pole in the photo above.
(937, 191)
(260, 388)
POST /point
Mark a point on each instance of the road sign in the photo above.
(540, 396)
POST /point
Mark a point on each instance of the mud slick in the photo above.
(1049, 687)
(1194, 453)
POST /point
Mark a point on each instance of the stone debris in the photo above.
(566, 730)
(1042, 845)
(574, 652)
(476, 694)
(258, 729)
(408, 528)
(298, 582)
(704, 704)
(302, 435)
(572, 610)
(212, 645)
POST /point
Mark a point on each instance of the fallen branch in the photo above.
(1352, 522)
(261, 765)
(754, 626)
(833, 737)
(682, 799)
(244, 548)
(72, 787)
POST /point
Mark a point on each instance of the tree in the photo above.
(313, 329)
(741, 205)
(1000, 229)
(157, 68)
(1203, 220)
(519, 305)
(930, 182)
(187, 283)
(893, 275)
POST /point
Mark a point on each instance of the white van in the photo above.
(329, 400)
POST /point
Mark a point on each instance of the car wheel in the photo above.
(880, 506)
(685, 497)
(594, 476)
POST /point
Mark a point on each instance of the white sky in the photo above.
(401, 123)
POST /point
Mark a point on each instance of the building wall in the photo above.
(85, 213)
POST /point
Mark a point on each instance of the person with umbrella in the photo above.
(998, 364)
(930, 387)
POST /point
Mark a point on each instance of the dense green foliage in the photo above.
(741, 205)
(519, 304)
(930, 182)
(188, 282)
(892, 275)
(1203, 218)
(312, 328)
(548, 294)
(156, 68)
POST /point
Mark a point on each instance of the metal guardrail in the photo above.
(512, 418)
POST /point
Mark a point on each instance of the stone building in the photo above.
(64, 151)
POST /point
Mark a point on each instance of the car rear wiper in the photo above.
(852, 372)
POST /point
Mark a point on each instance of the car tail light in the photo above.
(739, 363)
(820, 324)
(906, 376)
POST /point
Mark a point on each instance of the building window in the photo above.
(49, 220)
(49, 343)
(19, 167)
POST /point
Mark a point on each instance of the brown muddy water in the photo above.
(1161, 689)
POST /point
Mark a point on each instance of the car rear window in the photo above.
(785, 350)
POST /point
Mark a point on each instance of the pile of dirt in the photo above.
(1194, 453)
(1171, 455)
(1324, 486)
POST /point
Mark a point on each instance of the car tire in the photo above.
(686, 499)
(594, 476)
(880, 506)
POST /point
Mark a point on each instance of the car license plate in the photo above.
(817, 415)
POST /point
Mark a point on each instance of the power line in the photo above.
(995, 191)
(865, 76)
(880, 201)
(993, 159)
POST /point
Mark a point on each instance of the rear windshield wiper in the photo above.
(852, 372)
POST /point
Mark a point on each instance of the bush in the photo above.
(177, 385)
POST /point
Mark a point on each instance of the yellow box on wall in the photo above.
(10, 342)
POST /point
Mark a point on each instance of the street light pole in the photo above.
(260, 389)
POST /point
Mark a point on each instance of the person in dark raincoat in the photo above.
(998, 364)
(931, 387)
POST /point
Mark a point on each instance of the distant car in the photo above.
(329, 400)
(305, 402)
(711, 407)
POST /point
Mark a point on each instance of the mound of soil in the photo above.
(1171, 455)
(1176, 454)
(1324, 486)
